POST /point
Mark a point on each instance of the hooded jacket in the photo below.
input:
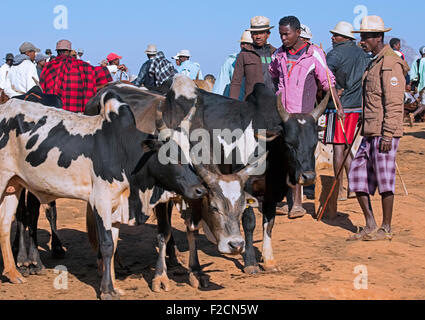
(21, 77)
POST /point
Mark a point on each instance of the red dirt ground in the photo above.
(315, 260)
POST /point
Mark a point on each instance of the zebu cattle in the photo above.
(102, 160)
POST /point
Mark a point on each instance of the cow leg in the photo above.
(196, 276)
(19, 246)
(269, 214)
(164, 232)
(8, 204)
(58, 251)
(33, 206)
(248, 223)
(106, 246)
(171, 245)
(115, 235)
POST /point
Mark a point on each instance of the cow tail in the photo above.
(91, 228)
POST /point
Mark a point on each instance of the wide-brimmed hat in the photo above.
(246, 37)
(372, 24)
(151, 49)
(260, 23)
(182, 53)
(28, 46)
(306, 32)
(344, 29)
(112, 56)
(64, 45)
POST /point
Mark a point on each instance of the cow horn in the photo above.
(207, 176)
(284, 115)
(249, 170)
(318, 111)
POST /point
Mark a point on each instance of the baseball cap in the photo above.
(28, 46)
(112, 56)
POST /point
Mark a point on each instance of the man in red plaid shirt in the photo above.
(74, 81)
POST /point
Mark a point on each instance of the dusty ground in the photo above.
(315, 260)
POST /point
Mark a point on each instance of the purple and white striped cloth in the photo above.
(371, 168)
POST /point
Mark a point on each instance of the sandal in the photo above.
(282, 211)
(296, 212)
(362, 235)
(380, 234)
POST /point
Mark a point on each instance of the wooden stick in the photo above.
(401, 178)
(322, 211)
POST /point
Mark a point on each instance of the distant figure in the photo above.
(49, 55)
(418, 79)
(222, 85)
(118, 71)
(395, 44)
(306, 34)
(187, 67)
(4, 70)
(144, 78)
(161, 69)
(40, 60)
(80, 54)
(210, 78)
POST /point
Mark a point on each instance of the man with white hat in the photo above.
(306, 34)
(222, 84)
(187, 67)
(80, 54)
(144, 78)
(382, 127)
(23, 73)
(347, 62)
(253, 61)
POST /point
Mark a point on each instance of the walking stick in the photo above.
(401, 178)
(322, 211)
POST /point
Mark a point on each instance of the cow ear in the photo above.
(251, 201)
(109, 103)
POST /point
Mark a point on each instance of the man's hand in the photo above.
(385, 144)
(341, 115)
(122, 67)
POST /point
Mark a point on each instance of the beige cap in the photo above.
(372, 24)
(344, 29)
(182, 53)
(28, 46)
(151, 49)
(306, 32)
(246, 37)
(64, 45)
(260, 23)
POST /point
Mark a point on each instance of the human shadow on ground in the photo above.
(418, 134)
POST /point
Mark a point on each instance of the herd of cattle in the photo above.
(110, 158)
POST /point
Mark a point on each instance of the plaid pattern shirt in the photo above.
(74, 81)
(161, 69)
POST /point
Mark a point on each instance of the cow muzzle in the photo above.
(232, 246)
(307, 178)
(195, 193)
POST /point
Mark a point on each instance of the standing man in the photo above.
(144, 78)
(118, 71)
(49, 55)
(222, 84)
(254, 60)
(80, 54)
(74, 81)
(382, 126)
(298, 70)
(395, 44)
(418, 80)
(23, 73)
(347, 62)
(187, 67)
(4, 70)
(162, 71)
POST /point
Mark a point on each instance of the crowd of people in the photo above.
(368, 81)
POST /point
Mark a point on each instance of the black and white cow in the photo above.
(100, 159)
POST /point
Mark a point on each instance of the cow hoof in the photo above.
(114, 295)
(58, 253)
(37, 269)
(252, 269)
(197, 279)
(14, 276)
(159, 282)
(25, 271)
(270, 266)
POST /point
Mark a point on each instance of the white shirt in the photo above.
(20, 79)
(4, 70)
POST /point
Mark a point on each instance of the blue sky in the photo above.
(209, 29)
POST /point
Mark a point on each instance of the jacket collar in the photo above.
(251, 48)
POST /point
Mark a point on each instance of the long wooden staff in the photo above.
(322, 211)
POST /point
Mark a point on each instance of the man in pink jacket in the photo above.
(298, 70)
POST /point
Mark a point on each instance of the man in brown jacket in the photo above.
(254, 60)
(382, 121)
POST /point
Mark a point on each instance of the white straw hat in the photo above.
(306, 32)
(372, 24)
(151, 49)
(246, 37)
(344, 29)
(260, 23)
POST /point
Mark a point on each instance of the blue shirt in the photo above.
(190, 69)
(222, 84)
